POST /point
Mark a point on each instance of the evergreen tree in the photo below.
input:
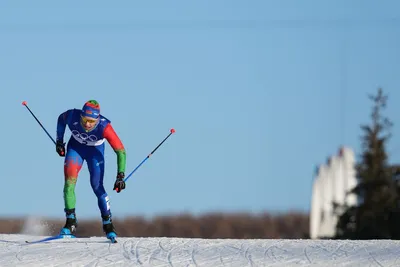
(377, 194)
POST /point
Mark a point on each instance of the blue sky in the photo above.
(259, 93)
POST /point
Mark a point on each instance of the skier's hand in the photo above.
(119, 184)
(60, 148)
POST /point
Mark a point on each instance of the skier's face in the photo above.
(88, 123)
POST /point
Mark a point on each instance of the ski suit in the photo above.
(88, 146)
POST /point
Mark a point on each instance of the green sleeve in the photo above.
(121, 160)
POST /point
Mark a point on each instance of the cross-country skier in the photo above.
(89, 130)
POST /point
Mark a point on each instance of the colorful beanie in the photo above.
(91, 109)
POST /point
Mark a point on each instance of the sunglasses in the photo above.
(85, 119)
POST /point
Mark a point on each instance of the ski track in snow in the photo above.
(174, 252)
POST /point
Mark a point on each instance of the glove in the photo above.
(60, 148)
(119, 184)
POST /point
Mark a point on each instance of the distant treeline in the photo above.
(290, 225)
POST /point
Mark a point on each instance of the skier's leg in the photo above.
(96, 165)
(72, 165)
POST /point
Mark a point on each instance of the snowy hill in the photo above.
(97, 251)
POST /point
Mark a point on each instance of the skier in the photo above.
(89, 130)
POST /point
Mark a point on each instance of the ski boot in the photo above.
(71, 223)
(108, 228)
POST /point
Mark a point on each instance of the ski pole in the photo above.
(26, 105)
(152, 152)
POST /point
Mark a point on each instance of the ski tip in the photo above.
(50, 238)
(24, 103)
(172, 130)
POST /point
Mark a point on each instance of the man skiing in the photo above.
(89, 130)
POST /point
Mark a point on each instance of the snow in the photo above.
(163, 251)
(190, 252)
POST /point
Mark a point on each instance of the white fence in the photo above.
(332, 182)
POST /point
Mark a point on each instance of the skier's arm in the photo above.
(61, 124)
(111, 136)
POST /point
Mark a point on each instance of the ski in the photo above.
(55, 237)
(50, 238)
